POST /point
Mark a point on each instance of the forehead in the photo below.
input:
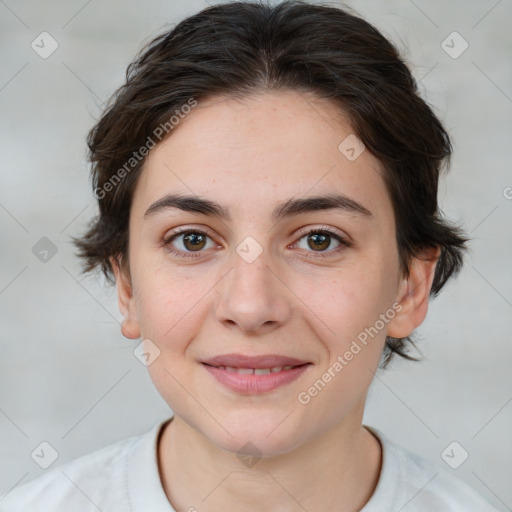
(260, 150)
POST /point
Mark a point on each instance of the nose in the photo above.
(252, 297)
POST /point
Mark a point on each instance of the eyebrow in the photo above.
(288, 208)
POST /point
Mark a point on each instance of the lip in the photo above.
(263, 361)
(251, 384)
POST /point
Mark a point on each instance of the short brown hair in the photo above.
(241, 48)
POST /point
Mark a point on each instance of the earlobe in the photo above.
(127, 332)
(130, 326)
(414, 293)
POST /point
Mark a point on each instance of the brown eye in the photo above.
(189, 243)
(323, 242)
(318, 242)
(194, 241)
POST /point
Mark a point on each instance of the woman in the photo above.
(267, 183)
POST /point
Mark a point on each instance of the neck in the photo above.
(338, 470)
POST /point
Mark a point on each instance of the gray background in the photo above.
(68, 377)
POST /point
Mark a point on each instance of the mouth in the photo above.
(255, 371)
(255, 374)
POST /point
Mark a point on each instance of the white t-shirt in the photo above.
(124, 477)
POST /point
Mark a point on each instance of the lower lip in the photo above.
(254, 384)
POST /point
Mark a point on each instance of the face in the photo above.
(269, 276)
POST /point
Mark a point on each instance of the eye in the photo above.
(318, 240)
(189, 243)
(185, 243)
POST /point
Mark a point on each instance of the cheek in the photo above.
(348, 321)
(350, 301)
(169, 302)
(171, 315)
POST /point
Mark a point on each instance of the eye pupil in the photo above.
(319, 241)
(197, 240)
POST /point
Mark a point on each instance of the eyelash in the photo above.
(344, 243)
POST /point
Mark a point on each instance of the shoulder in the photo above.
(411, 483)
(96, 481)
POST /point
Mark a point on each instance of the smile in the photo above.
(255, 371)
(254, 374)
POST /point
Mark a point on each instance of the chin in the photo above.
(265, 433)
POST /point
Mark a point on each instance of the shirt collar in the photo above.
(145, 491)
(388, 490)
(144, 486)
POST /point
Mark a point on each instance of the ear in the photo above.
(130, 326)
(414, 293)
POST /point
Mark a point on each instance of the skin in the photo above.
(249, 156)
